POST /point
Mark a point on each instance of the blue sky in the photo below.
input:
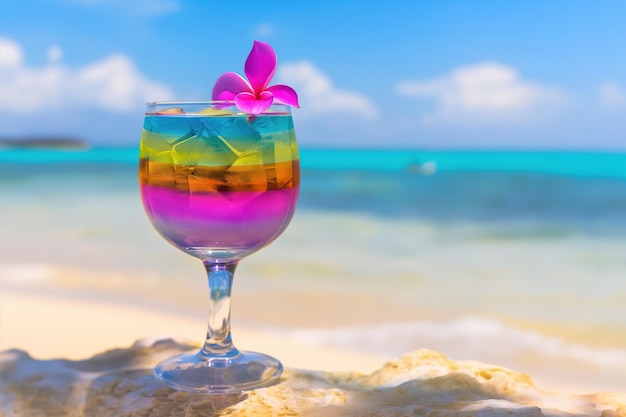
(412, 74)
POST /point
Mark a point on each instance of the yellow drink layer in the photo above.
(218, 141)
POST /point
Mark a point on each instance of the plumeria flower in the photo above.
(255, 96)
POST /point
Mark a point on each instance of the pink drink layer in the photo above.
(237, 222)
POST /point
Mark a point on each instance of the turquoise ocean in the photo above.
(509, 257)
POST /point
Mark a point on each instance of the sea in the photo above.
(509, 257)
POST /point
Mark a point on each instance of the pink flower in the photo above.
(255, 97)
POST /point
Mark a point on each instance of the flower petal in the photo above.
(249, 103)
(260, 66)
(229, 85)
(283, 94)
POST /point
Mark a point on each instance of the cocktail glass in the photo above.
(219, 185)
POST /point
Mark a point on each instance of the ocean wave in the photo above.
(26, 274)
(462, 339)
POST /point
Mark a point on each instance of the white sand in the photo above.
(49, 323)
(54, 326)
(62, 334)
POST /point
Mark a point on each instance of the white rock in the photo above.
(422, 383)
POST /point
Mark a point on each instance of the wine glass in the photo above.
(219, 185)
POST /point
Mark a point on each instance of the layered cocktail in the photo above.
(219, 184)
(216, 183)
(219, 180)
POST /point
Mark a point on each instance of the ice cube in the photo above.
(203, 182)
(171, 110)
(158, 146)
(247, 173)
(212, 111)
(236, 133)
(154, 146)
(284, 156)
(161, 133)
(202, 150)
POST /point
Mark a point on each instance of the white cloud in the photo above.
(318, 95)
(113, 84)
(263, 30)
(484, 92)
(11, 55)
(612, 95)
(55, 53)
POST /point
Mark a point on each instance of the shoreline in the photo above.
(61, 324)
(93, 327)
(284, 301)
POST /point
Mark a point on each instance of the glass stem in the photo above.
(218, 340)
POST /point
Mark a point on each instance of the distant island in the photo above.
(43, 143)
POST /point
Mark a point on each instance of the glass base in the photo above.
(219, 375)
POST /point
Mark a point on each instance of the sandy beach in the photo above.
(58, 326)
(83, 346)
(60, 318)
